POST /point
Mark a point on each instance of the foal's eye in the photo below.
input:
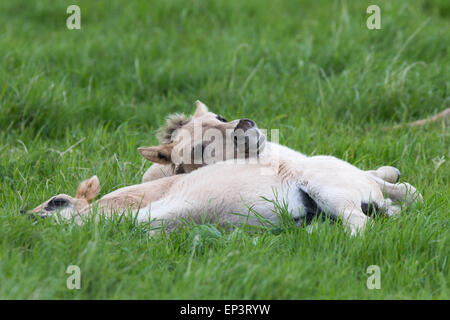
(220, 118)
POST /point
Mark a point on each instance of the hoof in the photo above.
(389, 174)
(398, 175)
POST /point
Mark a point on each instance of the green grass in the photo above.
(309, 68)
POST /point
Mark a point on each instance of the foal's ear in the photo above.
(158, 154)
(201, 109)
(88, 189)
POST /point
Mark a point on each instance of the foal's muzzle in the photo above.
(245, 124)
(247, 138)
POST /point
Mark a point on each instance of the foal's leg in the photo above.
(355, 219)
(390, 208)
(386, 173)
(339, 201)
(399, 191)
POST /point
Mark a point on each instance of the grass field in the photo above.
(78, 103)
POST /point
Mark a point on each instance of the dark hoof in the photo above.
(398, 175)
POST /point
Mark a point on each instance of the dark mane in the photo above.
(173, 122)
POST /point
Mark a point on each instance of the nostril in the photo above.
(245, 124)
(249, 123)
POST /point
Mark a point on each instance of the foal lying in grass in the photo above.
(231, 191)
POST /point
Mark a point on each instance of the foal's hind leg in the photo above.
(403, 192)
(390, 209)
(386, 173)
(340, 201)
